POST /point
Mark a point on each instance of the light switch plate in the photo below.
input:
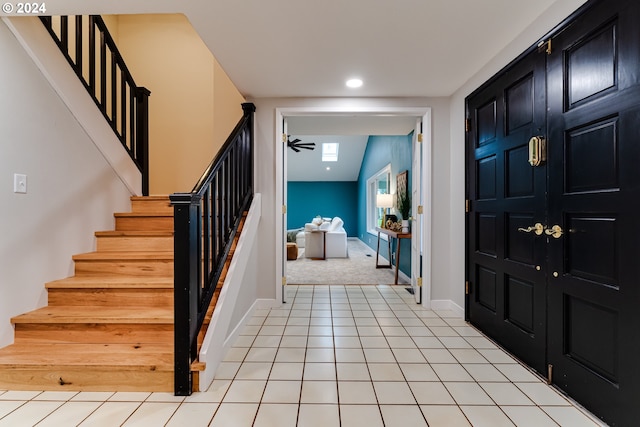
(19, 183)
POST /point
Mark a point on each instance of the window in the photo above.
(329, 151)
(379, 183)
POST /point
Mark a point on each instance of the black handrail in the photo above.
(205, 223)
(106, 77)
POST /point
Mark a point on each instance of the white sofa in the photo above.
(335, 235)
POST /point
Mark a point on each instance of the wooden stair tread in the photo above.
(124, 255)
(104, 355)
(112, 282)
(133, 233)
(150, 198)
(87, 314)
(159, 214)
(122, 340)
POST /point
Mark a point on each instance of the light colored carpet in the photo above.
(358, 269)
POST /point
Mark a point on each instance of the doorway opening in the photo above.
(315, 118)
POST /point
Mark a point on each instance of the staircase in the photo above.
(110, 326)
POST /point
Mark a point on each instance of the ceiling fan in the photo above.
(297, 144)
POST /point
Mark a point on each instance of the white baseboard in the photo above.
(258, 304)
(403, 276)
(265, 303)
(233, 336)
(447, 304)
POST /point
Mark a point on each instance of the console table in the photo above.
(392, 235)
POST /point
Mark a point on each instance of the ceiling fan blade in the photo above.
(297, 144)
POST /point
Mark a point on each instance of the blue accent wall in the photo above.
(380, 151)
(306, 200)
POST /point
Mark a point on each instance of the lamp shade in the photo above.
(384, 200)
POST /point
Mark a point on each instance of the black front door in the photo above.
(594, 182)
(506, 254)
(567, 301)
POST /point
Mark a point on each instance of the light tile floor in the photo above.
(345, 356)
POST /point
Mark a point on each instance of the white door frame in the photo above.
(282, 186)
(421, 112)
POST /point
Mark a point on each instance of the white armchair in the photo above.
(335, 235)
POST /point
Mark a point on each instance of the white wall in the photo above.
(267, 179)
(57, 218)
(448, 275)
(549, 19)
(72, 190)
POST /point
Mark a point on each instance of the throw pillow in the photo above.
(291, 234)
(336, 224)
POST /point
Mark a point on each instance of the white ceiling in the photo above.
(402, 48)
(294, 48)
(297, 48)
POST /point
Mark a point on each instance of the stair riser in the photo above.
(159, 268)
(155, 206)
(148, 298)
(134, 244)
(111, 328)
(150, 223)
(85, 379)
(83, 333)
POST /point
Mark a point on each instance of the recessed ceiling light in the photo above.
(353, 83)
(328, 168)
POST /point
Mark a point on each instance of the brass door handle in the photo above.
(537, 150)
(555, 231)
(537, 228)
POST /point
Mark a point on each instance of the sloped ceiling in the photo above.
(307, 165)
(351, 132)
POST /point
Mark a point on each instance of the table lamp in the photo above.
(384, 201)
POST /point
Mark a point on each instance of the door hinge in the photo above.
(549, 374)
(466, 287)
(420, 209)
(419, 282)
(467, 205)
(284, 209)
(419, 137)
(284, 281)
(284, 137)
(467, 125)
(545, 46)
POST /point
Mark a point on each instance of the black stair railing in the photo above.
(93, 55)
(205, 223)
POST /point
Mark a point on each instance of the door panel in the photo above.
(593, 195)
(578, 282)
(507, 287)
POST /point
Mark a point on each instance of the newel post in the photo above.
(249, 109)
(142, 135)
(186, 248)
